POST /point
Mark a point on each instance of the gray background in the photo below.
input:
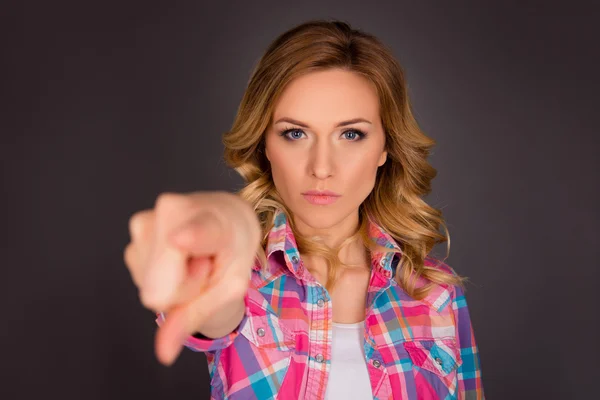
(106, 105)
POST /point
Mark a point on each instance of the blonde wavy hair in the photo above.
(396, 200)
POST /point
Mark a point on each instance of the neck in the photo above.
(353, 254)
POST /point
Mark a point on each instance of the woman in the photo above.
(344, 300)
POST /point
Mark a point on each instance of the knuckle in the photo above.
(167, 199)
(134, 224)
(146, 301)
(131, 261)
(127, 255)
(138, 222)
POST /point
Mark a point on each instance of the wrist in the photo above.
(223, 323)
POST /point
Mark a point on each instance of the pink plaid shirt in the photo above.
(281, 350)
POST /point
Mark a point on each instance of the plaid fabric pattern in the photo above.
(281, 350)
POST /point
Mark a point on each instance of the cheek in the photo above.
(360, 174)
(284, 170)
(361, 168)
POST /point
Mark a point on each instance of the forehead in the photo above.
(328, 96)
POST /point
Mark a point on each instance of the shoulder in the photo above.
(442, 294)
(433, 262)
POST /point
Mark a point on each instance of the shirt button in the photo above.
(294, 259)
(376, 363)
(320, 302)
(438, 360)
(319, 358)
(260, 332)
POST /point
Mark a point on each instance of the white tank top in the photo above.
(348, 377)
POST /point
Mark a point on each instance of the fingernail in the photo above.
(181, 237)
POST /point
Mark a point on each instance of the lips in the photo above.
(324, 197)
(321, 193)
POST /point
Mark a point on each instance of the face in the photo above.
(326, 135)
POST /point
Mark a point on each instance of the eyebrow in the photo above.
(340, 124)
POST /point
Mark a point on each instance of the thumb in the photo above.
(181, 321)
(171, 336)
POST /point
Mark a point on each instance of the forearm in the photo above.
(224, 322)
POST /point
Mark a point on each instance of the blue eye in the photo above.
(356, 133)
(292, 131)
(295, 134)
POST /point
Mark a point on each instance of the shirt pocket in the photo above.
(439, 356)
(268, 333)
(266, 356)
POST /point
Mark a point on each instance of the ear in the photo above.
(382, 159)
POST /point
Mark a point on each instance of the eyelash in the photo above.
(361, 135)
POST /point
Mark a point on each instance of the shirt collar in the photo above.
(281, 238)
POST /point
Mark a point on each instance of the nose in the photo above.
(321, 162)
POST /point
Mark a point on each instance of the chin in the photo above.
(318, 217)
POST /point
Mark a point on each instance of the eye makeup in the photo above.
(286, 131)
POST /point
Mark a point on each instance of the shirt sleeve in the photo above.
(201, 343)
(469, 372)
